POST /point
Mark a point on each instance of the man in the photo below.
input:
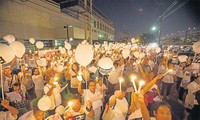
(77, 111)
(93, 95)
(119, 103)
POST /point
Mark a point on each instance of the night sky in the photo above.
(138, 16)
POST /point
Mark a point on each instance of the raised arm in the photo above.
(80, 90)
(13, 111)
(151, 83)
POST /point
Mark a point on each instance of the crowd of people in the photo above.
(83, 93)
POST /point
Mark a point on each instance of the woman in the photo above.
(38, 81)
(52, 90)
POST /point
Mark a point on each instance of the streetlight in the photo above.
(67, 32)
(153, 28)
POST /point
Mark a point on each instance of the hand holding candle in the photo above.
(79, 77)
(70, 104)
(141, 83)
(133, 81)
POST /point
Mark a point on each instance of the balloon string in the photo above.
(2, 90)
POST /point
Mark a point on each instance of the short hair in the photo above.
(34, 70)
(47, 77)
(16, 84)
(158, 104)
(90, 82)
(76, 96)
(117, 87)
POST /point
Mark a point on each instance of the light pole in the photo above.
(67, 31)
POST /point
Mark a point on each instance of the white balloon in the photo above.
(67, 46)
(84, 54)
(125, 53)
(60, 110)
(18, 48)
(136, 54)
(69, 52)
(63, 51)
(133, 40)
(6, 52)
(39, 44)
(105, 63)
(141, 55)
(196, 47)
(44, 103)
(158, 49)
(32, 40)
(182, 58)
(9, 38)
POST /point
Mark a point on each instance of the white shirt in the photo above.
(56, 93)
(95, 98)
(39, 83)
(120, 109)
(8, 83)
(190, 97)
(186, 79)
(98, 87)
(168, 78)
(7, 116)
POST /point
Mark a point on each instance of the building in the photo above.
(44, 20)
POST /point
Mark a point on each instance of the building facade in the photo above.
(44, 20)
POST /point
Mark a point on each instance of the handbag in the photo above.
(108, 113)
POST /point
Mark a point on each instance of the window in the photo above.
(95, 24)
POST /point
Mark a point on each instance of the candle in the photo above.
(133, 81)
(170, 70)
(70, 104)
(79, 76)
(141, 83)
(55, 83)
(120, 83)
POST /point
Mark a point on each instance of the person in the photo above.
(35, 114)
(10, 79)
(52, 90)
(17, 97)
(162, 111)
(77, 111)
(119, 103)
(190, 100)
(10, 113)
(94, 96)
(100, 85)
(168, 81)
(38, 81)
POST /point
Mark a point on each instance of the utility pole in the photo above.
(86, 20)
(91, 22)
